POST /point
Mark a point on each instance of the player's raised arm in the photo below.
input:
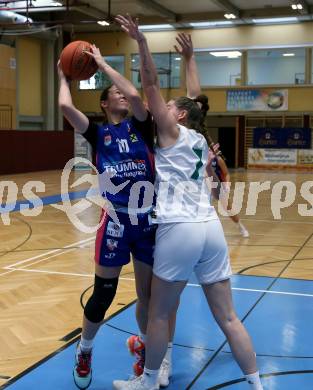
(185, 49)
(124, 86)
(77, 119)
(166, 124)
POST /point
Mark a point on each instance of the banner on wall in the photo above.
(257, 100)
(298, 138)
(282, 138)
(272, 157)
(305, 158)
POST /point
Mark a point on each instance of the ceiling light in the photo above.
(156, 27)
(103, 23)
(290, 19)
(289, 54)
(229, 54)
(230, 16)
(295, 6)
(211, 24)
(177, 58)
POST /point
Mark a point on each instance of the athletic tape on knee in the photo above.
(103, 294)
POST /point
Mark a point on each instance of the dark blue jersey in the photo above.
(123, 154)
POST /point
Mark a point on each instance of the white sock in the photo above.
(143, 337)
(150, 376)
(85, 345)
(168, 355)
(254, 381)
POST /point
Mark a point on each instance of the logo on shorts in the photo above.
(115, 230)
(107, 140)
(150, 228)
(110, 255)
(111, 244)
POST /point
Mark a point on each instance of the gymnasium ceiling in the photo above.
(82, 15)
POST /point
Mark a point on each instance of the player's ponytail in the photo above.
(204, 106)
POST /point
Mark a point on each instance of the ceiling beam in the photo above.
(88, 10)
(151, 4)
(244, 14)
(228, 7)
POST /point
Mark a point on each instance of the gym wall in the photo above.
(7, 87)
(300, 97)
(30, 87)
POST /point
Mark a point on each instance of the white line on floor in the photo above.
(189, 284)
(52, 251)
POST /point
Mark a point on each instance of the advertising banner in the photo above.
(305, 158)
(272, 157)
(257, 100)
(282, 138)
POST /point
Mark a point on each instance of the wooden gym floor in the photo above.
(46, 264)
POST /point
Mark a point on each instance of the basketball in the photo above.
(75, 63)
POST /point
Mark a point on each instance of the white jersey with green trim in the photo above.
(182, 191)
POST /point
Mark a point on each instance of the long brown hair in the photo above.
(195, 112)
(104, 96)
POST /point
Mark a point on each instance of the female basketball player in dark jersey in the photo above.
(123, 147)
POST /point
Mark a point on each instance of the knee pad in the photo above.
(103, 294)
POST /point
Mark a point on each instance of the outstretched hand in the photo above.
(185, 48)
(130, 26)
(96, 55)
(211, 157)
(216, 148)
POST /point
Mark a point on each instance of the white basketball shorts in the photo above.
(184, 247)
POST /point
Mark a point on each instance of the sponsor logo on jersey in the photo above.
(107, 140)
(111, 244)
(110, 255)
(115, 230)
(123, 146)
(127, 168)
(133, 138)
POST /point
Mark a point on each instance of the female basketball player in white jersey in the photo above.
(189, 236)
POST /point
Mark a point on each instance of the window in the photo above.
(219, 68)
(276, 66)
(100, 80)
(168, 67)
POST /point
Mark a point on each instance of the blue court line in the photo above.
(46, 200)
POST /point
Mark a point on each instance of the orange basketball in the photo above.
(75, 63)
